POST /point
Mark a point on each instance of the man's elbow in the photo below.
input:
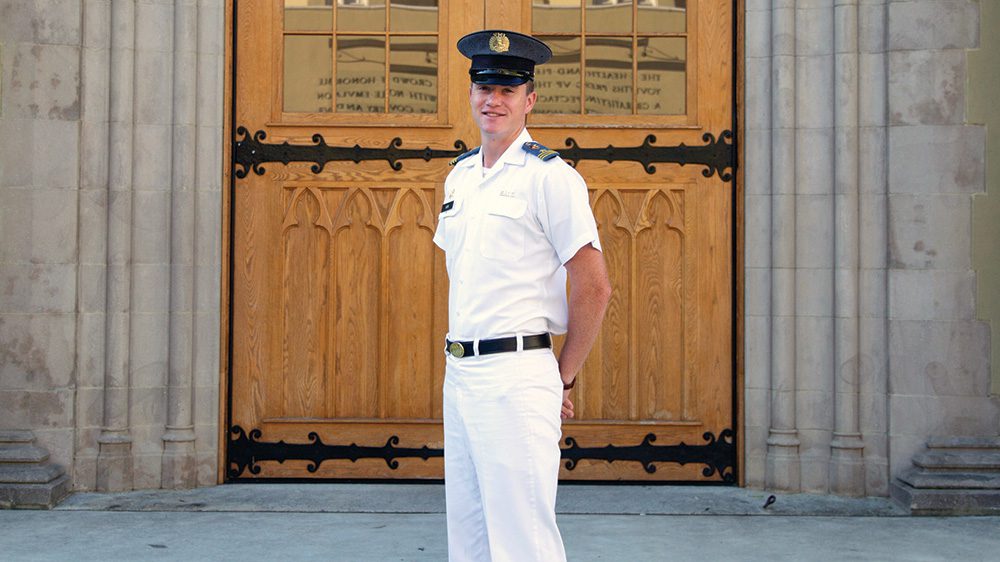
(603, 291)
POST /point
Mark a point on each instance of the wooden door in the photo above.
(344, 118)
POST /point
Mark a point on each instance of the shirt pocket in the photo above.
(503, 231)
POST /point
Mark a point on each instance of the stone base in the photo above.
(34, 496)
(921, 501)
(954, 476)
(178, 471)
(114, 462)
(27, 479)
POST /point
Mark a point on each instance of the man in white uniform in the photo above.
(515, 220)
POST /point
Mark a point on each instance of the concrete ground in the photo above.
(362, 522)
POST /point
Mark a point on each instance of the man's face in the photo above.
(500, 110)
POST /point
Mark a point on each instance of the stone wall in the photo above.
(111, 202)
(939, 353)
(862, 339)
(39, 193)
(984, 83)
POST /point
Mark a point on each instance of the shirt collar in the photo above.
(514, 155)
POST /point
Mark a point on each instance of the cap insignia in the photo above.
(499, 43)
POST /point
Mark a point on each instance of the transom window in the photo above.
(366, 46)
(612, 57)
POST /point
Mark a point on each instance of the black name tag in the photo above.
(447, 206)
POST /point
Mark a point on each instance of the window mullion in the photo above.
(385, 89)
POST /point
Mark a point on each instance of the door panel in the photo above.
(339, 297)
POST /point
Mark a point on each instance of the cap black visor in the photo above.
(499, 77)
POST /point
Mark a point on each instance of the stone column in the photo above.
(782, 469)
(757, 161)
(208, 236)
(93, 233)
(814, 234)
(178, 465)
(873, 366)
(151, 236)
(846, 468)
(114, 462)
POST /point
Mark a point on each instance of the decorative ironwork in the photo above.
(250, 153)
(246, 452)
(717, 155)
(717, 454)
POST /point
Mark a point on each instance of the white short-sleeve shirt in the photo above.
(506, 236)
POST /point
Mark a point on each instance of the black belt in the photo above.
(498, 345)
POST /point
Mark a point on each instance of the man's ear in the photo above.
(532, 98)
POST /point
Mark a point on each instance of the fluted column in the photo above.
(783, 440)
(846, 466)
(178, 464)
(114, 465)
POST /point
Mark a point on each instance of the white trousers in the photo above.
(501, 457)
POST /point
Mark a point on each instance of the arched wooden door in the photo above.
(345, 114)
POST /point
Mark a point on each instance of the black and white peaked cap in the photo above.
(505, 58)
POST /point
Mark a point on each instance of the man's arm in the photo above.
(589, 293)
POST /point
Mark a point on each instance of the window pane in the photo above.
(558, 81)
(413, 64)
(413, 15)
(307, 73)
(608, 85)
(662, 16)
(662, 75)
(609, 16)
(360, 74)
(360, 15)
(559, 16)
(308, 15)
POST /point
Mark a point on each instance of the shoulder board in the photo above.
(461, 157)
(535, 149)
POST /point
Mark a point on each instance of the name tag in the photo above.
(447, 206)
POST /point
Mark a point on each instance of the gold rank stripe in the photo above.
(463, 156)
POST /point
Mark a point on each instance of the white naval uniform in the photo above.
(506, 234)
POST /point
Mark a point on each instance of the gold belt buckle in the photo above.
(456, 349)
